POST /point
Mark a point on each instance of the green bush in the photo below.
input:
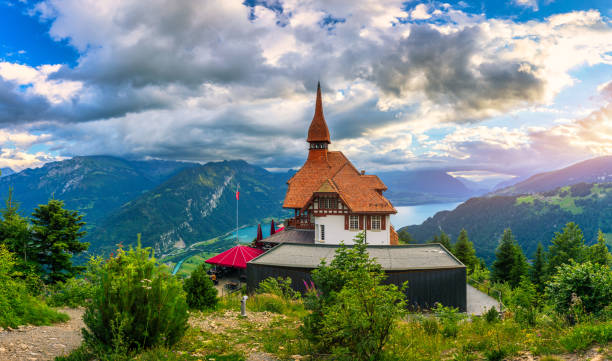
(201, 292)
(492, 315)
(583, 336)
(449, 318)
(523, 303)
(278, 286)
(584, 285)
(75, 292)
(495, 354)
(353, 314)
(17, 305)
(136, 304)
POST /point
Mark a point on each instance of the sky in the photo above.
(479, 88)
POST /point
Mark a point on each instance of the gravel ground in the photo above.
(35, 343)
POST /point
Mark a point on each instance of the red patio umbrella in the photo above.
(236, 257)
(259, 234)
(272, 230)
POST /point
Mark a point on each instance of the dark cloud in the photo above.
(448, 76)
(17, 106)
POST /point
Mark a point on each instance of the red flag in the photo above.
(237, 193)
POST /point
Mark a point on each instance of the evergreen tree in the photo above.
(505, 258)
(15, 230)
(200, 290)
(405, 237)
(464, 250)
(520, 269)
(444, 240)
(56, 232)
(538, 269)
(510, 263)
(567, 245)
(599, 253)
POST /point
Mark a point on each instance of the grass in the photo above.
(272, 326)
(193, 262)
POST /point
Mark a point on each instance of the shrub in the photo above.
(75, 292)
(449, 317)
(278, 286)
(492, 315)
(17, 305)
(495, 354)
(583, 336)
(523, 303)
(588, 282)
(201, 292)
(136, 305)
(353, 314)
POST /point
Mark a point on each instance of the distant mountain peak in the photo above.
(595, 170)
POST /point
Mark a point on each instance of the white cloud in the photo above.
(36, 81)
(216, 79)
(533, 4)
(420, 12)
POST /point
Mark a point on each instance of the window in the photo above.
(375, 222)
(327, 203)
(322, 228)
(353, 222)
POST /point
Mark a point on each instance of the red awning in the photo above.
(236, 257)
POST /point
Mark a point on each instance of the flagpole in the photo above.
(237, 196)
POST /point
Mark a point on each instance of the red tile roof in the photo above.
(326, 171)
(318, 131)
(361, 193)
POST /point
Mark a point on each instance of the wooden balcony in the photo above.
(300, 222)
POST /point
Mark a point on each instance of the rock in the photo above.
(2, 349)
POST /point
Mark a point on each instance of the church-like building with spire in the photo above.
(332, 201)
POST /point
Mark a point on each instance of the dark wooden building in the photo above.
(433, 273)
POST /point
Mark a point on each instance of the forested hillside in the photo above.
(532, 218)
(195, 205)
(93, 185)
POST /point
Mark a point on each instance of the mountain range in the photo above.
(596, 170)
(413, 187)
(169, 203)
(534, 209)
(196, 204)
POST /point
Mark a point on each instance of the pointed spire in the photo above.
(318, 131)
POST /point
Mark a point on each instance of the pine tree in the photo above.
(444, 240)
(566, 246)
(520, 268)
(464, 250)
(56, 232)
(15, 230)
(405, 237)
(510, 263)
(505, 257)
(599, 253)
(538, 269)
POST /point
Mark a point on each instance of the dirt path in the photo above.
(35, 343)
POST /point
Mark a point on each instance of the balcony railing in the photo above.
(300, 222)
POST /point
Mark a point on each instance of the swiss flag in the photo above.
(237, 195)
